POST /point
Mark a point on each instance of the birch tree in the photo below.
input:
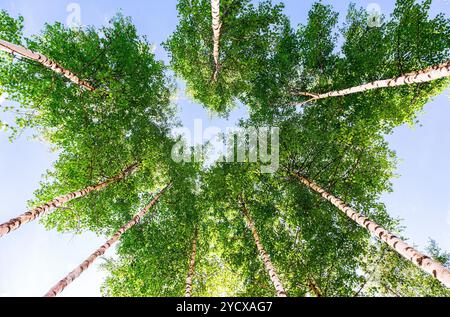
(265, 257)
(191, 271)
(424, 262)
(239, 29)
(31, 215)
(217, 26)
(422, 76)
(61, 285)
(45, 61)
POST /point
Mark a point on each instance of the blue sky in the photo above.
(32, 259)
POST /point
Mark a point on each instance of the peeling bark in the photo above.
(217, 26)
(424, 262)
(421, 76)
(24, 52)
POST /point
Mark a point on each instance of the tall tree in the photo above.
(389, 274)
(265, 257)
(31, 215)
(418, 77)
(319, 245)
(424, 262)
(164, 241)
(61, 285)
(126, 119)
(217, 26)
(54, 66)
(243, 29)
(339, 142)
(191, 271)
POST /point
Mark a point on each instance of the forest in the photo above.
(315, 227)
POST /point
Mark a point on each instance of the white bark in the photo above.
(61, 285)
(424, 262)
(22, 51)
(422, 76)
(216, 25)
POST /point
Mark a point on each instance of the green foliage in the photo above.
(248, 38)
(367, 54)
(318, 41)
(391, 276)
(98, 133)
(10, 28)
(266, 64)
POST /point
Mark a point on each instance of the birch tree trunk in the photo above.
(421, 76)
(217, 26)
(32, 214)
(266, 259)
(191, 266)
(22, 51)
(61, 285)
(408, 252)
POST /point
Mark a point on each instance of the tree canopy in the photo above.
(270, 67)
